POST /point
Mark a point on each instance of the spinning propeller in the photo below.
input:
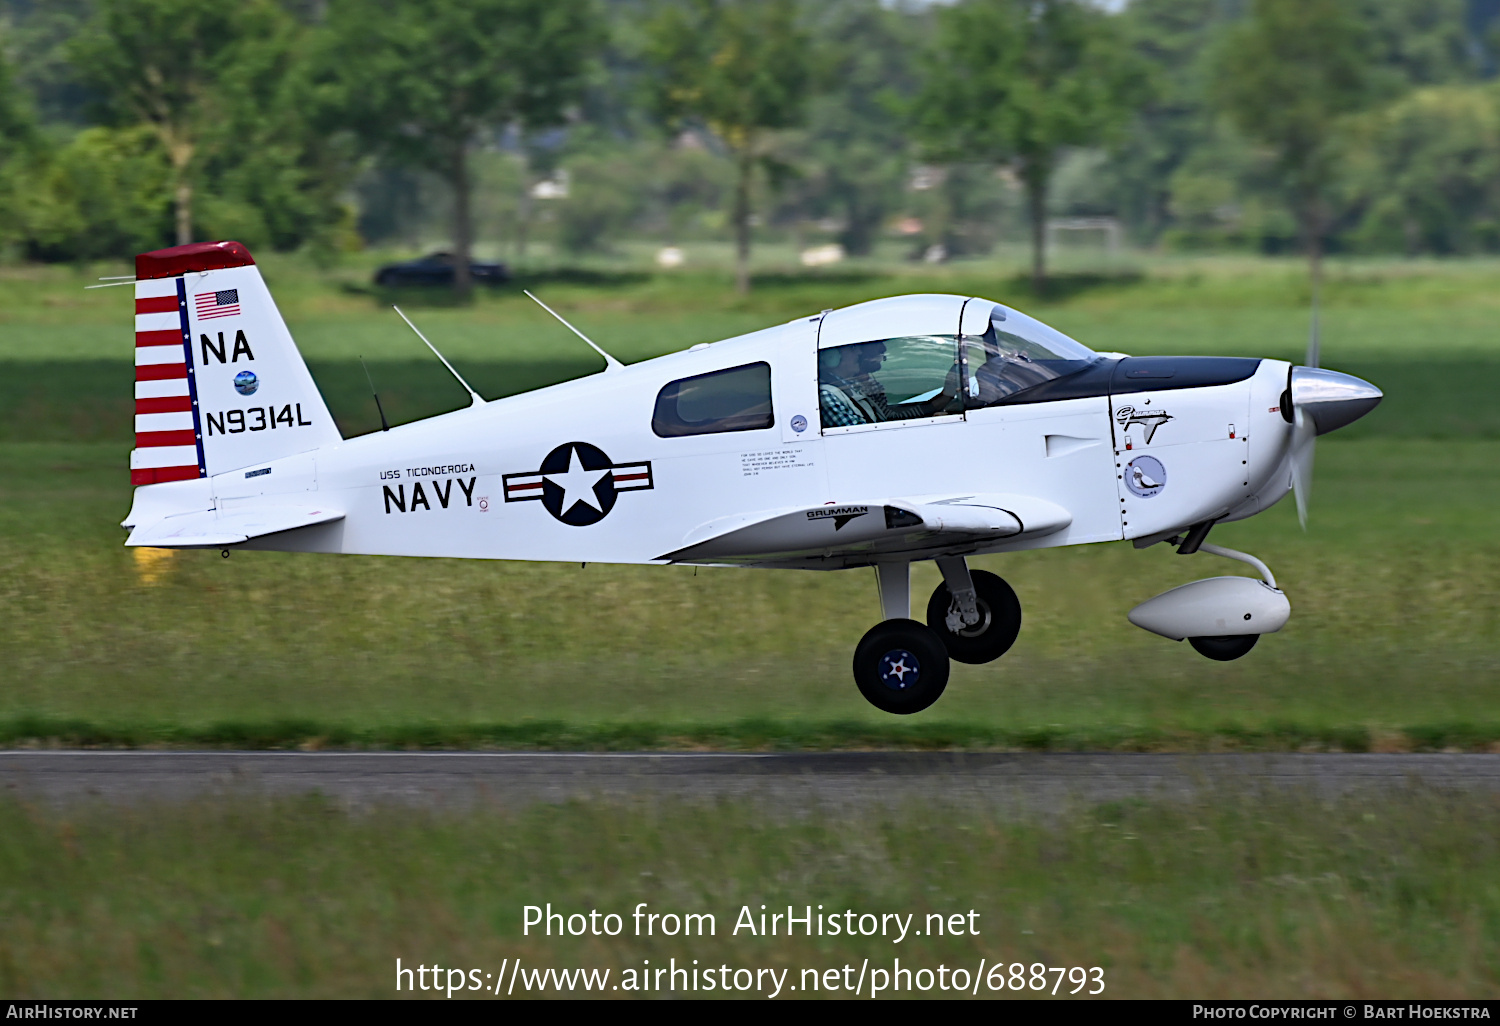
(1304, 435)
(1304, 445)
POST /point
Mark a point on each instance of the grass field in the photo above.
(1235, 896)
(1394, 642)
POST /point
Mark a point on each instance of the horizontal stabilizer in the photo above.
(920, 527)
(212, 528)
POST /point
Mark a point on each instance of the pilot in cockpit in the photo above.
(850, 393)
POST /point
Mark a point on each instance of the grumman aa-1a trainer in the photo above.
(918, 427)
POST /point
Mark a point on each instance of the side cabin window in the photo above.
(735, 399)
(889, 379)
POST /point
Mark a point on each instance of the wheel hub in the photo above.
(979, 626)
(899, 669)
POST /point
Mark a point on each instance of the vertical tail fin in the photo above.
(219, 383)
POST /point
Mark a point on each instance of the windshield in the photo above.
(1017, 353)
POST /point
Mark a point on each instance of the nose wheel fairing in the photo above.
(1221, 617)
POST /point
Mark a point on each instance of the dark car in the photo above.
(437, 269)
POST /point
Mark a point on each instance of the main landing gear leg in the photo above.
(963, 610)
(894, 581)
(900, 665)
(975, 613)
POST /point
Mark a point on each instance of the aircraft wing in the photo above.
(213, 528)
(854, 534)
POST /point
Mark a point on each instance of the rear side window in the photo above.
(736, 399)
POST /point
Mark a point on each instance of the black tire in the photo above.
(999, 620)
(891, 645)
(1224, 647)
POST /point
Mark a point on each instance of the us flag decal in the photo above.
(217, 304)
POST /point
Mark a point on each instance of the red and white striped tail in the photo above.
(219, 384)
(168, 441)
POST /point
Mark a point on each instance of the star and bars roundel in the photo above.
(577, 483)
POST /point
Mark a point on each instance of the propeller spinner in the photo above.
(1321, 401)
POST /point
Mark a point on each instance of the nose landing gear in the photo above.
(1221, 617)
(901, 666)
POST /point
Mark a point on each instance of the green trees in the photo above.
(421, 81)
(106, 193)
(1427, 168)
(1014, 82)
(101, 192)
(270, 173)
(1287, 76)
(854, 151)
(1174, 127)
(742, 68)
(606, 189)
(1255, 123)
(162, 63)
(16, 133)
(220, 89)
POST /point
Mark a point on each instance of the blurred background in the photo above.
(668, 134)
(1150, 176)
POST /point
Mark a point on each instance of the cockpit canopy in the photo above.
(1017, 352)
(927, 356)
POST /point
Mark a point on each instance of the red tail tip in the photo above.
(197, 256)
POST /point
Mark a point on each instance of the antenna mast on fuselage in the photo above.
(474, 397)
(610, 363)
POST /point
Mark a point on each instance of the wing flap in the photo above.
(868, 529)
(210, 528)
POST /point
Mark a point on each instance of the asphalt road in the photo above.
(790, 781)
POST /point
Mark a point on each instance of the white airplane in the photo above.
(919, 427)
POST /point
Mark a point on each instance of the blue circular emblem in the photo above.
(899, 669)
(799, 423)
(578, 487)
(245, 382)
(1145, 476)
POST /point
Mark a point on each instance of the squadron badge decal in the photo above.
(1145, 476)
(578, 484)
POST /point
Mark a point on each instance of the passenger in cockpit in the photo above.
(1003, 373)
